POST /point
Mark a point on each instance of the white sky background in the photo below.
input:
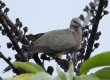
(46, 15)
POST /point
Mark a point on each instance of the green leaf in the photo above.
(68, 75)
(38, 76)
(70, 72)
(9, 78)
(77, 78)
(36, 66)
(89, 77)
(103, 73)
(61, 74)
(44, 76)
(26, 76)
(86, 77)
(102, 59)
(26, 67)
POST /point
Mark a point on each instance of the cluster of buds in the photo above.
(13, 31)
(88, 31)
(64, 64)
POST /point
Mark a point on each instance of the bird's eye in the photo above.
(75, 22)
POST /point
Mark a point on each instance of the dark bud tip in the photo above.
(91, 4)
(0, 28)
(84, 41)
(81, 56)
(86, 9)
(96, 45)
(0, 2)
(98, 33)
(81, 17)
(17, 20)
(85, 34)
(6, 10)
(3, 4)
(92, 11)
(13, 48)
(79, 65)
(86, 27)
(9, 58)
(25, 47)
(44, 57)
(105, 12)
(25, 29)
(96, 37)
(50, 70)
(82, 50)
(20, 24)
(9, 45)
(18, 57)
(105, 3)
(3, 32)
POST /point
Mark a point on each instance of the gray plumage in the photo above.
(58, 42)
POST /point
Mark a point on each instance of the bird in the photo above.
(55, 43)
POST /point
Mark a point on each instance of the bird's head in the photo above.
(75, 23)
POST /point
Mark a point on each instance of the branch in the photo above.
(94, 30)
(9, 34)
(13, 33)
(12, 26)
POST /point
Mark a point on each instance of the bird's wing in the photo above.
(58, 40)
(41, 49)
(34, 37)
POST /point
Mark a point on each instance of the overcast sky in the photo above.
(46, 15)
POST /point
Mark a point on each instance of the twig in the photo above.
(8, 61)
(94, 30)
(37, 60)
(86, 21)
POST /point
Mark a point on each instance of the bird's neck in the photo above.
(75, 31)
